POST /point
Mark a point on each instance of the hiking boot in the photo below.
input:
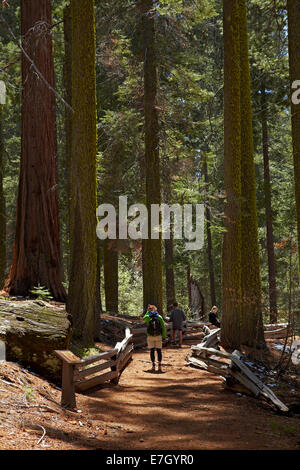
(159, 368)
(153, 367)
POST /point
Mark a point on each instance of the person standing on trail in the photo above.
(177, 317)
(212, 317)
(156, 332)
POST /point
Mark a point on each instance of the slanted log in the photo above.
(219, 369)
(280, 333)
(32, 330)
(211, 339)
(245, 375)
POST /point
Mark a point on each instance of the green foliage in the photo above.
(41, 293)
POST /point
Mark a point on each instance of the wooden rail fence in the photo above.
(140, 334)
(77, 376)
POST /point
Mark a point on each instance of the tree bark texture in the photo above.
(36, 253)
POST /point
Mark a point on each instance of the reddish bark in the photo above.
(36, 257)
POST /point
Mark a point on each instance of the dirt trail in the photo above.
(181, 409)
(184, 408)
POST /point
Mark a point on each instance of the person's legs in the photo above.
(152, 356)
(173, 335)
(180, 337)
(159, 358)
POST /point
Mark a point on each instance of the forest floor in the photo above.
(182, 408)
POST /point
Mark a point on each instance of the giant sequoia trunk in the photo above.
(231, 257)
(152, 248)
(83, 244)
(36, 253)
(294, 58)
(268, 210)
(251, 322)
(68, 118)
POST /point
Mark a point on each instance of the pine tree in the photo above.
(268, 208)
(152, 248)
(231, 257)
(36, 254)
(83, 246)
(251, 321)
(294, 60)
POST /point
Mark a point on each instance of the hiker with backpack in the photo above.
(177, 318)
(156, 332)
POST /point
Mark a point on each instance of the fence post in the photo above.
(115, 380)
(68, 399)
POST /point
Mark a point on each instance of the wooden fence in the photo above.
(80, 375)
(140, 334)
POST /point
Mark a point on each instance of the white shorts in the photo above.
(154, 342)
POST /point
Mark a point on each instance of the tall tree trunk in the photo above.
(152, 253)
(209, 243)
(98, 301)
(68, 117)
(231, 256)
(36, 254)
(189, 284)
(111, 279)
(168, 243)
(268, 209)
(83, 246)
(252, 333)
(294, 58)
(2, 210)
(170, 279)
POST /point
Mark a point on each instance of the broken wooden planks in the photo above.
(217, 367)
(234, 370)
(257, 384)
(211, 338)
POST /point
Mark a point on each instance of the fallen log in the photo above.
(216, 368)
(32, 330)
(280, 333)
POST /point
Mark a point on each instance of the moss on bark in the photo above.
(83, 247)
(32, 330)
(2, 210)
(231, 256)
(251, 320)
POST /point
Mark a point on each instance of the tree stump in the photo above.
(32, 330)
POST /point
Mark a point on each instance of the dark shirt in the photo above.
(177, 317)
(212, 318)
